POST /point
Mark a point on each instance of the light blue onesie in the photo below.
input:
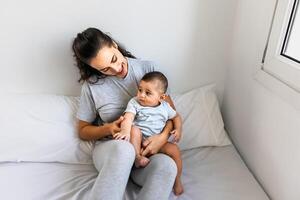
(150, 120)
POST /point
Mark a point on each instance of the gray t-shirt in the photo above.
(150, 120)
(108, 98)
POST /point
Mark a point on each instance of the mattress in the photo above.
(209, 173)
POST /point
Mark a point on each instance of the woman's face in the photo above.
(110, 61)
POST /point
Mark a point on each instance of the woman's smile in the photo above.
(123, 71)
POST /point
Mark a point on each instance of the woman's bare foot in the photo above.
(141, 161)
(178, 188)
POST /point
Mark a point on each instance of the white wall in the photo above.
(189, 39)
(264, 127)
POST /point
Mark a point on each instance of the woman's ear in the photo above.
(115, 44)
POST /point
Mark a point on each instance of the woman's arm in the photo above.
(177, 122)
(87, 131)
(170, 101)
(154, 143)
(177, 132)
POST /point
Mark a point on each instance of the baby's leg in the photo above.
(136, 141)
(173, 151)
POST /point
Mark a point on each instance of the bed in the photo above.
(41, 156)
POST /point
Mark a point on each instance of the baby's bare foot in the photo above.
(178, 188)
(141, 161)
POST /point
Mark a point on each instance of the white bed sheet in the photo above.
(209, 173)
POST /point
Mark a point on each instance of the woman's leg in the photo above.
(156, 179)
(173, 151)
(113, 159)
(136, 141)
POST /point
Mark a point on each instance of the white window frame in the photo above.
(278, 73)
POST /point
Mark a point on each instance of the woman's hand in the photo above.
(153, 144)
(115, 126)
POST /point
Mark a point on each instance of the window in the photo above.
(282, 53)
(291, 43)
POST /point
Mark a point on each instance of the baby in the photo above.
(146, 115)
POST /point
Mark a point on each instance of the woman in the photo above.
(111, 75)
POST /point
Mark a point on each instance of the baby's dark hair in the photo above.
(155, 75)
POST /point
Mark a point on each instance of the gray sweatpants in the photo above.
(114, 160)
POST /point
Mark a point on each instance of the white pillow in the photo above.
(202, 121)
(41, 128)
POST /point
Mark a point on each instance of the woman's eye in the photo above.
(148, 93)
(114, 59)
(140, 90)
(105, 69)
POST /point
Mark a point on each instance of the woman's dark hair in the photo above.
(86, 46)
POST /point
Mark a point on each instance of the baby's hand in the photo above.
(122, 135)
(176, 134)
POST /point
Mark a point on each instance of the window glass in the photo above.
(291, 45)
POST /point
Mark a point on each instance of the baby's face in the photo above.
(150, 93)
